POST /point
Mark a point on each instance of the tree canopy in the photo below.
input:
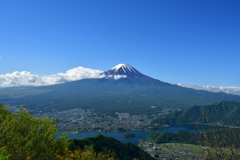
(23, 135)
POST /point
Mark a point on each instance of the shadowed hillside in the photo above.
(126, 151)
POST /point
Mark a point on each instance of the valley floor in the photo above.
(79, 120)
(173, 150)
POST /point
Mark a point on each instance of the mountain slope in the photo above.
(135, 93)
(225, 112)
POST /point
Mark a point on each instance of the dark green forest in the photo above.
(177, 137)
(220, 113)
(125, 151)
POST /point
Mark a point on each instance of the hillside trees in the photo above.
(110, 146)
(23, 136)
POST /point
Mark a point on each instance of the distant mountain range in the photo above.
(120, 89)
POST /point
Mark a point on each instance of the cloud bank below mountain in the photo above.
(228, 90)
(25, 78)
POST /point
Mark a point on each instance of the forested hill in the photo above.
(232, 135)
(226, 112)
(124, 151)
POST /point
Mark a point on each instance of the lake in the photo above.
(139, 134)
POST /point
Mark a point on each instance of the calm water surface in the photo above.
(139, 134)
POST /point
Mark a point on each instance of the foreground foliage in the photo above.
(88, 153)
(25, 136)
(221, 144)
(3, 154)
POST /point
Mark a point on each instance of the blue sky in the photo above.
(195, 42)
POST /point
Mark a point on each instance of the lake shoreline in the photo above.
(140, 134)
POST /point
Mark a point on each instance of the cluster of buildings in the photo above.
(79, 120)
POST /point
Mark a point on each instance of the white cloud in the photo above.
(25, 78)
(18, 79)
(229, 90)
(116, 77)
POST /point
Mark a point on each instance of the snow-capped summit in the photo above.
(125, 67)
(122, 71)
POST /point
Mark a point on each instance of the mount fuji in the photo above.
(119, 89)
(123, 71)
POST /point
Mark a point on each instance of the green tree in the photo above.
(24, 136)
(3, 155)
(88, 153)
